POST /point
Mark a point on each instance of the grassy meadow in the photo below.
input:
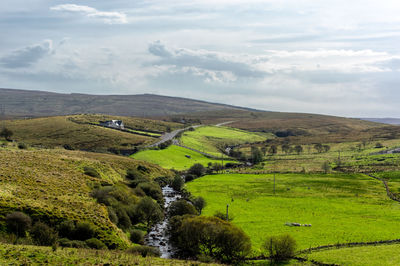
(209, 138)
(174, 157)
(360, 256)
(341, 207)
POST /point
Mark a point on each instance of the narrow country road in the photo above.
(169, 136)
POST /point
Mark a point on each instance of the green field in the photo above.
(340, 207)
(208, 139)
(174, 157)
(367, 255)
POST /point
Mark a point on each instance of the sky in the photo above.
(329, 57)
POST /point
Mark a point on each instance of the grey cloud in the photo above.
(27, 56)
(392, 64)
(205, 60)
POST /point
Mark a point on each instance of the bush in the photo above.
(137, 237)
(84, 231)
(43, 235)
(6, 133)
(222, 216)
(181, 207)
(189, 177)
(150, 212)
(145, 251)
(152, 190)
(281, 247)
(133, 174)
(95, 243)
(22, 146)
(18, 223)
(90, 171)
(67, 229)
(65, 242)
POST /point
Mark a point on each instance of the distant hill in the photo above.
(26, 103)
(388, 120)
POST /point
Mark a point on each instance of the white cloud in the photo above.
(106, 17)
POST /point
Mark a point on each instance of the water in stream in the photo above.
(158, 235)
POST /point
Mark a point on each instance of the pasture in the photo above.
(210, 139)
(175, 157)
(366, 255)
(340, 207)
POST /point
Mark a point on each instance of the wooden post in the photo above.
(274, 183)
(227, 212)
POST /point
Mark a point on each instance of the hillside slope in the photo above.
(25, 103)
(51, 186)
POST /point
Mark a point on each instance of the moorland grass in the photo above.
(175, 157)
(209, 138)
(340, 207)
(50, 185)
(34, 255)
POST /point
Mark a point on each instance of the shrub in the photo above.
(67, 229)
(181, 207)
(189, 177)
(281, 247)
(90, 171)
(6, 133)
(43, 235)
(84, 231)
(222, 216)
(133, 174)
(145, 251)
(68, 147)
(137, 237)
(22, 146)
(150, 212)
(18, 223)
(65, 242)
(95, 243)
(378, 145)
(152, 190)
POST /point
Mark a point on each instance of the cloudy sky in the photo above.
(332, 57)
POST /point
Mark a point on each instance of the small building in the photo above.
(113, 124)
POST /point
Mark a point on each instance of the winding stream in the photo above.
(158, 235)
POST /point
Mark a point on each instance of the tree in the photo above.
(318, 147)
(298, 149)
(326, 148)
(210, 236)
(149, 212)
(285, 148)
(6, 133)
(181, 207)
(281, 247)
(199, 203)
(326, 167)
(256, 155)
(18, 223)
(273, 150)
(177, 183)
(197, 170)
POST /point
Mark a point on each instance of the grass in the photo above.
(354, 157)
(367, 255)
(50, 185)
(340, 207)
(34, 255)
(210, 138)
(57, 131)
(174, 157)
